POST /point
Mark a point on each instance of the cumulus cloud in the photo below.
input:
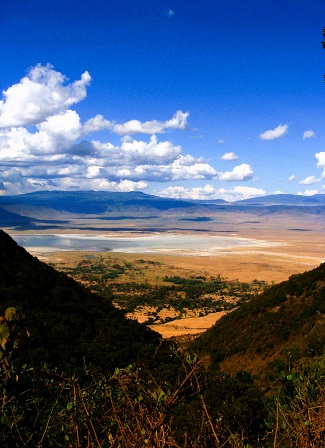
(308, 134)
(210, 192)
(320, 156)
(292, 178)
(308, 192)
(278, 132)
(137, 152)
(57, 152)
(241, 172)
(102, 184)
(179, 192)
(39, 95)
(239, 193)
(98, 123)
(309, 180)
(229, 156)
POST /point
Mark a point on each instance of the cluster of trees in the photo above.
(125, 284)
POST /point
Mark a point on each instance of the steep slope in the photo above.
(67, 323)
(285, 322)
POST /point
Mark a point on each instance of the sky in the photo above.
(210, 99)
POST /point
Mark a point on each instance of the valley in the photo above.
(288, 252)
(264, 240)
(243, 333)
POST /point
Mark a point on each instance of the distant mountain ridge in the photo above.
(285, 199)
(91, 202)
(43, 207)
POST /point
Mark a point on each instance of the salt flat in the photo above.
(159, 243)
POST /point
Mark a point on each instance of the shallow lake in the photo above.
(158, 243)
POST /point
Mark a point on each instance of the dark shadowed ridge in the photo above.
(286, 320)
(67, 323)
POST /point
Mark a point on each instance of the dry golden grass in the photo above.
(302, 248)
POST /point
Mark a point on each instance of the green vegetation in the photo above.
(74, 372)
(158, 407)
(283, 325)
(130, 288)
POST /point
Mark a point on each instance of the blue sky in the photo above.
(211, 99)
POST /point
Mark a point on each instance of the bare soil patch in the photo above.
(188, 325)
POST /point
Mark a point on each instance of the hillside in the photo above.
(279, 326)
(60, 346)
(67, 324)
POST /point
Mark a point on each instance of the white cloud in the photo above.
(308, 134)
(209, 192)
(310, 180)
(98, 123)
(188, 193)
(54, 151)
(40, 95)
(53, 138)
(170, 13)
(140, 152)
(229, 156)
(292, 178)
(308, 192)
(101, 184)
(55, 155)
(56, 134)
(320, 156)
(221, 141)
(187, 167)
(239, 193)
(182, 168)
(278, 132)
(70, 183)
(241, 172)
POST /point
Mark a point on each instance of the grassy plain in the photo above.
(301, 248)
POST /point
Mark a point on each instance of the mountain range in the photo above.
(51, 208)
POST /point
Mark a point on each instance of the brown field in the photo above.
(302, 248)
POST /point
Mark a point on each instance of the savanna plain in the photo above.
(181, 293)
